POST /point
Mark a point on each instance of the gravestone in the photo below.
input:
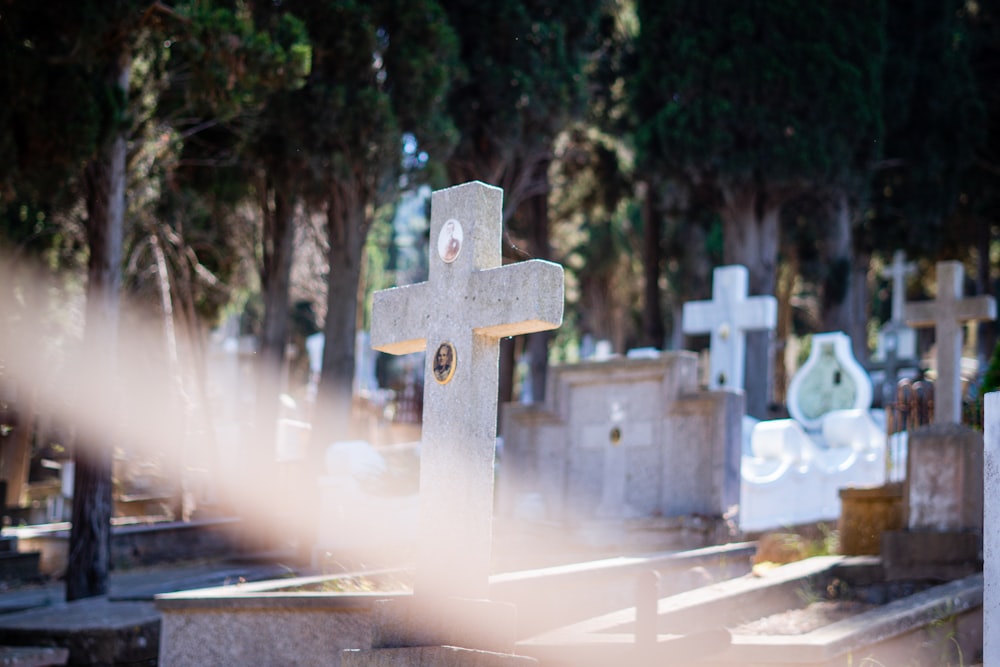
(891, 360)
(623, 454)
(727, 318)
(467, 304)
(948, 314)
(897, 272)
(896, 347)
(943, 495)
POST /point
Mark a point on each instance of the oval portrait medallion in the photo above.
(450, 241)
(445, 360)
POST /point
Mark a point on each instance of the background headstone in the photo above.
(727, 318)
(947, 314)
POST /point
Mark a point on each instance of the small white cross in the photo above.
(727, 317)
(459, 315)
(898, 271)
(947, 314)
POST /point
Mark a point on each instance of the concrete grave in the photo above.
(467, 304)
(624, 451)
(942, 504)
(727, 318)
(822, 611)
(948, 314)
(796, 467)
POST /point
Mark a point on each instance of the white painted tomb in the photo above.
(796, 467)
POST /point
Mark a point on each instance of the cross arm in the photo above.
(520, 298)
(400, 319)
(699, 317)
(977, 308)
(920, 314)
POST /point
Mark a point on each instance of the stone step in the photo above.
(94, 631)
(19, 567)
(32, 656)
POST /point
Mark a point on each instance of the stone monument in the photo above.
(943, 494)
(467, 305)
(948, 314)
(624, 454)
(896, 351)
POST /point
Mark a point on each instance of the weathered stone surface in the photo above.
(431, 621)
(96, 631)
(991, 537)
(622, 442)
(939, 555)
(310, 631)
(944, 489)
(432, 656)
(32, 656)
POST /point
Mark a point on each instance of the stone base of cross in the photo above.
(469, 302)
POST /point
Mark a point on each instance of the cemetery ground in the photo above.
(600, 586)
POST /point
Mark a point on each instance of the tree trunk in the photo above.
(857, 299)
(788, 276)
(347, 227)
(750, 237)
(835, 313)
(278, 241)
(538, 223)
(986, 339)
(89, 556)
(653, 330)
(15, 450)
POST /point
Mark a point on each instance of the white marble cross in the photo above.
(459, 315)
(947, 314)
(897, 272)
(727, 317)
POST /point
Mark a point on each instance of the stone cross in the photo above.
(893, 337)
(727, 318)
(459, 315)
(897, 272)
(947, 314)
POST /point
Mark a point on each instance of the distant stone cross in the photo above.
(897, 272)
(947, 314)
(459, 315)
(727, 318)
